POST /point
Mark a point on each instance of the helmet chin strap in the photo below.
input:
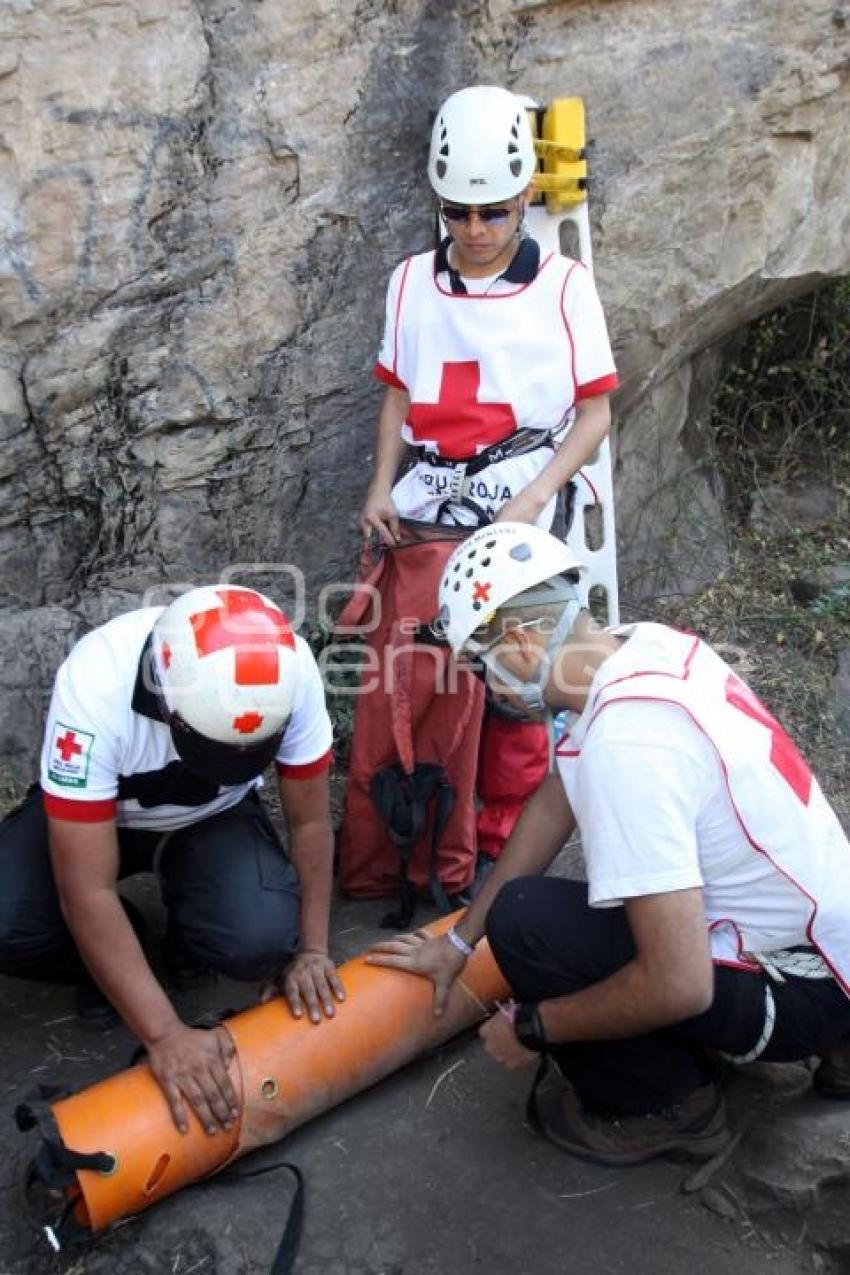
(531, 693)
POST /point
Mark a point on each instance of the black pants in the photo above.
(549, 942)
(230, 889)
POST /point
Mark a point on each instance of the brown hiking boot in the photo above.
(695, 1128)
(832, 1077)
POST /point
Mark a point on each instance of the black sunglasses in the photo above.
(492, 216)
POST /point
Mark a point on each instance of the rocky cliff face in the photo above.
(200, 203)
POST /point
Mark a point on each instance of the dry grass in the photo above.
(786, 652)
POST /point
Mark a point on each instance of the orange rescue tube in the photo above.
(286, 1071)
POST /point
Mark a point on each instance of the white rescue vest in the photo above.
(479, 367)
(780, 806)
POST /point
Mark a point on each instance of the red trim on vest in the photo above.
(490, 296)
(309, 770)
(569, 333)
(677, 677)
(742, 961)
(79, 811)
(602, 385)
(401, 288)
(661, 699)
(388, 377)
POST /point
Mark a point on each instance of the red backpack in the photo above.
(409, 818)
(513, 761)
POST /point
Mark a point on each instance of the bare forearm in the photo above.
(117, 963)
(591, 426)
(634, 1000)
(312, 855)
(390, 447)
(544, 826)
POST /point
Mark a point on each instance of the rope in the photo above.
(767, 1031)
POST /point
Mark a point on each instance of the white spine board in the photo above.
(592, 534)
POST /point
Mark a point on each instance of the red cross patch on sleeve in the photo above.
(70, 750)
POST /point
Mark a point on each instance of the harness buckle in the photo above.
(458, 478)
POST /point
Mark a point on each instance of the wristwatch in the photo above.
(528, 1027)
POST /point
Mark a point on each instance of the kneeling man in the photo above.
(716, 914)
(161, 723)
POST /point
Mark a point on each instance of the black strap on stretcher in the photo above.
(53, 1171)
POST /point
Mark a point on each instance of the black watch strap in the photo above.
(528, 1027)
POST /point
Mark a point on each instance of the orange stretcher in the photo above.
(285, 1071)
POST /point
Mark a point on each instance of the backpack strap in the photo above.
(404, 805)
(402, 802)
(403, 650)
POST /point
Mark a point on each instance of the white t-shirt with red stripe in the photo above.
(478, 366)
(679, 778)
(104, 759)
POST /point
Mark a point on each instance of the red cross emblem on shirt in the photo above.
(783, 753)
(458, 422)
(252, 629)
(68, 745)
(481, 592)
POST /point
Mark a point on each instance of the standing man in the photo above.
(496, 361)
(716, 914)
(498, 371)
(160, 725)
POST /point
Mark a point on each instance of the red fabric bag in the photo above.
(409, 816)
(512, 764)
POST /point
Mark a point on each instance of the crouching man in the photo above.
(160, 725)
(716, 915)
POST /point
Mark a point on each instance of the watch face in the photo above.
(528, 1027)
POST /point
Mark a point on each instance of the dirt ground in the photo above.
(433, 1172)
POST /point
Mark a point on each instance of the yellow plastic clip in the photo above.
(561, 150)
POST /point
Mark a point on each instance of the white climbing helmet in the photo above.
(224, 667)
(482, 150)
(494, 565)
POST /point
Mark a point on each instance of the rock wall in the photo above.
(200, 203)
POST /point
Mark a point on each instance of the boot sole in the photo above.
(706, 1148)
(838, 1092)
(697, 1146)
